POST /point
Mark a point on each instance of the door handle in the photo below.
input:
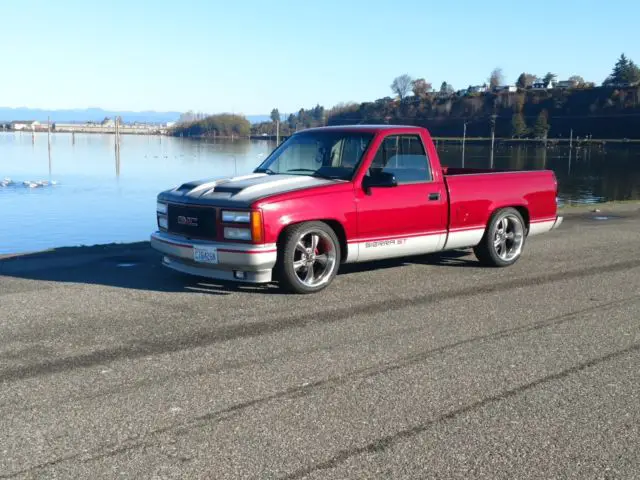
(434, 196)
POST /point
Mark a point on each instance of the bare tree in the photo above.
(496, 78)
(402, 85)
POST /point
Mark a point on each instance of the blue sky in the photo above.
(251, 56)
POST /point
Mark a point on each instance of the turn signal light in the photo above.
(257, 233)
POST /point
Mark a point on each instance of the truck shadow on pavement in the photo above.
(140, 268)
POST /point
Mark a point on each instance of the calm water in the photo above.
(96, 200)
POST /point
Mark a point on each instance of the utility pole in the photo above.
(493, 135)
(464, 139)
(277, 132)
(571, 139)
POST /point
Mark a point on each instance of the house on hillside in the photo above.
(566, 84)
(505, 88)
(477, 89)
(24, 125)
(540, 85)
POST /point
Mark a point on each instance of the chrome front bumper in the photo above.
(233, 261)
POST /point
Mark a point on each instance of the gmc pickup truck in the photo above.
(334, 195)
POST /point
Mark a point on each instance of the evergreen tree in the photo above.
(548, 78)
(318, 114)
(518, 126)
(541, 128)
(620, 68)
(624, 71)
(525, 80)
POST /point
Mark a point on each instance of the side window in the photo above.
(405, 157)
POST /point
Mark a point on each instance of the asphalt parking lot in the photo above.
(112, 366)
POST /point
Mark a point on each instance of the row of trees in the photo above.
(625, 71)
(526, 80)
(223, 125)
(304, 118)
(404, 84)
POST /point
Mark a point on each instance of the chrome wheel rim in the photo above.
(508, 237)
(314, 258)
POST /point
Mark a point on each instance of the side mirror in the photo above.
(379, 179)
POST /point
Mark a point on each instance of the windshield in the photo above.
(320, 153)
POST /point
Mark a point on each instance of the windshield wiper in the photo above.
(312, 173)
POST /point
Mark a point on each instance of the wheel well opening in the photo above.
(521, 210)
(525, 215)
(337, 228)
(342, 237)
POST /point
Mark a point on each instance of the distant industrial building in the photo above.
(24, 125)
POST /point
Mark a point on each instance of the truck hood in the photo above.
(240, 191)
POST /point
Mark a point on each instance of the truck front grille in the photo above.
(192, 221)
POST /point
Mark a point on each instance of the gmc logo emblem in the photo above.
(189, 221)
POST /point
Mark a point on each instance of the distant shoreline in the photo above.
(83, 253)
(457, 140)
(104, 131)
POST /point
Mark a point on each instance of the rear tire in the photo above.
(503, 239)
(308, 257)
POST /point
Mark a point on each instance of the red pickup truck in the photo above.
(333, 195)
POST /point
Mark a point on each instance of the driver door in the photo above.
(406, 219)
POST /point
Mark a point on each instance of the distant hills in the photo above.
(97, 115)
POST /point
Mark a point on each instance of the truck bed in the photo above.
(474, 192)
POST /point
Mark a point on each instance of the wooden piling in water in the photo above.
(117, 144)
(49, 141)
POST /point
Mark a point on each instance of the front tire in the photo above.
(503, 239)
(308, 257)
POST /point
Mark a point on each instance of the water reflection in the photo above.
(106, 191)
(586, 174)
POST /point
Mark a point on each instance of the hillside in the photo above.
(602, 112)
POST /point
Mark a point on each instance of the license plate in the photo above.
(205, 254)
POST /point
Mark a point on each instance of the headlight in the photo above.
(162, 222)
(236, 217)
(161, 208)
(231, 233)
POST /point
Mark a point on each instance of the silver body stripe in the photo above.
(365, 250)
